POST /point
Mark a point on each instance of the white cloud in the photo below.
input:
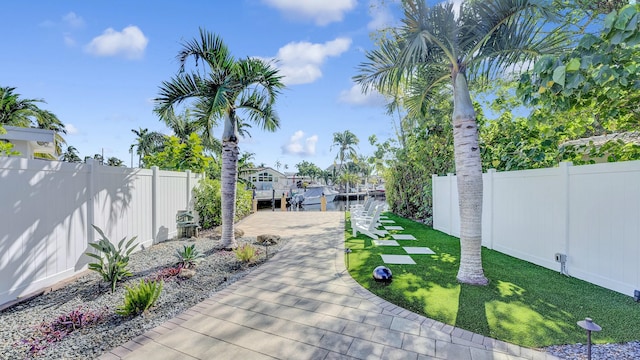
(69, 40)
(130, 42)
(355, 96)
(300, 62)
(71, 129)
(322, 12)
(73, 20)
(297, 147)
(381, 17)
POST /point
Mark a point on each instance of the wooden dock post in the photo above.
(283, 202)
(323, 203)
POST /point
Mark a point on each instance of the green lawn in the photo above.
(524, 304)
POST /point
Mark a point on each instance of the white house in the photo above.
(29, 141)
(265, 178)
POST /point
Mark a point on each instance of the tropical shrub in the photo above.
(189, 256)
(208, 203)
(246, 253)
(112, 262)
(140, 298)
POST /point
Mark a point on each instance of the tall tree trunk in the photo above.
(229, 176)
(469, 174)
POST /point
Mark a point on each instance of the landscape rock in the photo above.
(268, 239)
(186, 273)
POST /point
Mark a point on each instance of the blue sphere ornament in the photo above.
(382, 273)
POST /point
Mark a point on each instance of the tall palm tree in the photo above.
(15, 111)
(229, 89)
(71, 155)
(147, 142)
(346, 142)
(438, 45)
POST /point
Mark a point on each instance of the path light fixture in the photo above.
(347, 251)
(590, 326)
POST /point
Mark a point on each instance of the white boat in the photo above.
(313, 194)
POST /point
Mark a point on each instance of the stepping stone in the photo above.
(418, 250)
(386, 243)
(397, 259)
(393, 227)
(383, 217)
(383, 221)
(403, 237)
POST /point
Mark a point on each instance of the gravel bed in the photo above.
(216, 271)
(626, 351)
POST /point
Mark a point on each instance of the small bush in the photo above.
(209, 206)
(50, 332)
(189, 256)
(112, 262)
(140, 298)
(246, 253)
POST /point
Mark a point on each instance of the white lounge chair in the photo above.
(368, 225)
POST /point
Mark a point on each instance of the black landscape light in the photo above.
(590, 326)
(347, 251)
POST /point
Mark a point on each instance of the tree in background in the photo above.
(147, 142)
(6, 148)
(15, 111)
(180, 155)
(71, 155)
(306, 168)
(225, 89)
(346, 142)
(114, 161)
(598, 80)
(436, 46)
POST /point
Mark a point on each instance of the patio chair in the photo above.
(368, 225)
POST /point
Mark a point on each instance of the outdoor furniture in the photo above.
(368, 225)
(186, 225)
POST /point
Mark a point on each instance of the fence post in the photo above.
(451, 203)
(488, 199)
(188, 173)
(91, 200)
(565, 204)
(154, 204)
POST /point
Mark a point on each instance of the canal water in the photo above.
(337, 205)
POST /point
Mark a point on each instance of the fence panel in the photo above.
(590, 213)
(48, 207)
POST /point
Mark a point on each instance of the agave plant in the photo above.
(189, 256)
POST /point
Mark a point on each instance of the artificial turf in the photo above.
(524, 304)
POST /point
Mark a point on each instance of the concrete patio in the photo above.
(302, 304)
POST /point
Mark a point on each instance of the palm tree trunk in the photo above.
(228, 186)
(469, 174)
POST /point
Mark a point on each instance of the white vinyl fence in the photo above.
(590, 213)
(47, 208)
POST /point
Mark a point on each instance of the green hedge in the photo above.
(208, 203)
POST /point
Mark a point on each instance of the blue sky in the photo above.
(98, 65)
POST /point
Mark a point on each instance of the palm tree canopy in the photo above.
(483, 40)
(224, 88)
(346, 142)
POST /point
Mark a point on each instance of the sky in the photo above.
(99, 64)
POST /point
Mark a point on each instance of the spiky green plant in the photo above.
(189, 256)
(140, 298)
(112, 262)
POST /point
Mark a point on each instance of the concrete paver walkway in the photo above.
(302, 304)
